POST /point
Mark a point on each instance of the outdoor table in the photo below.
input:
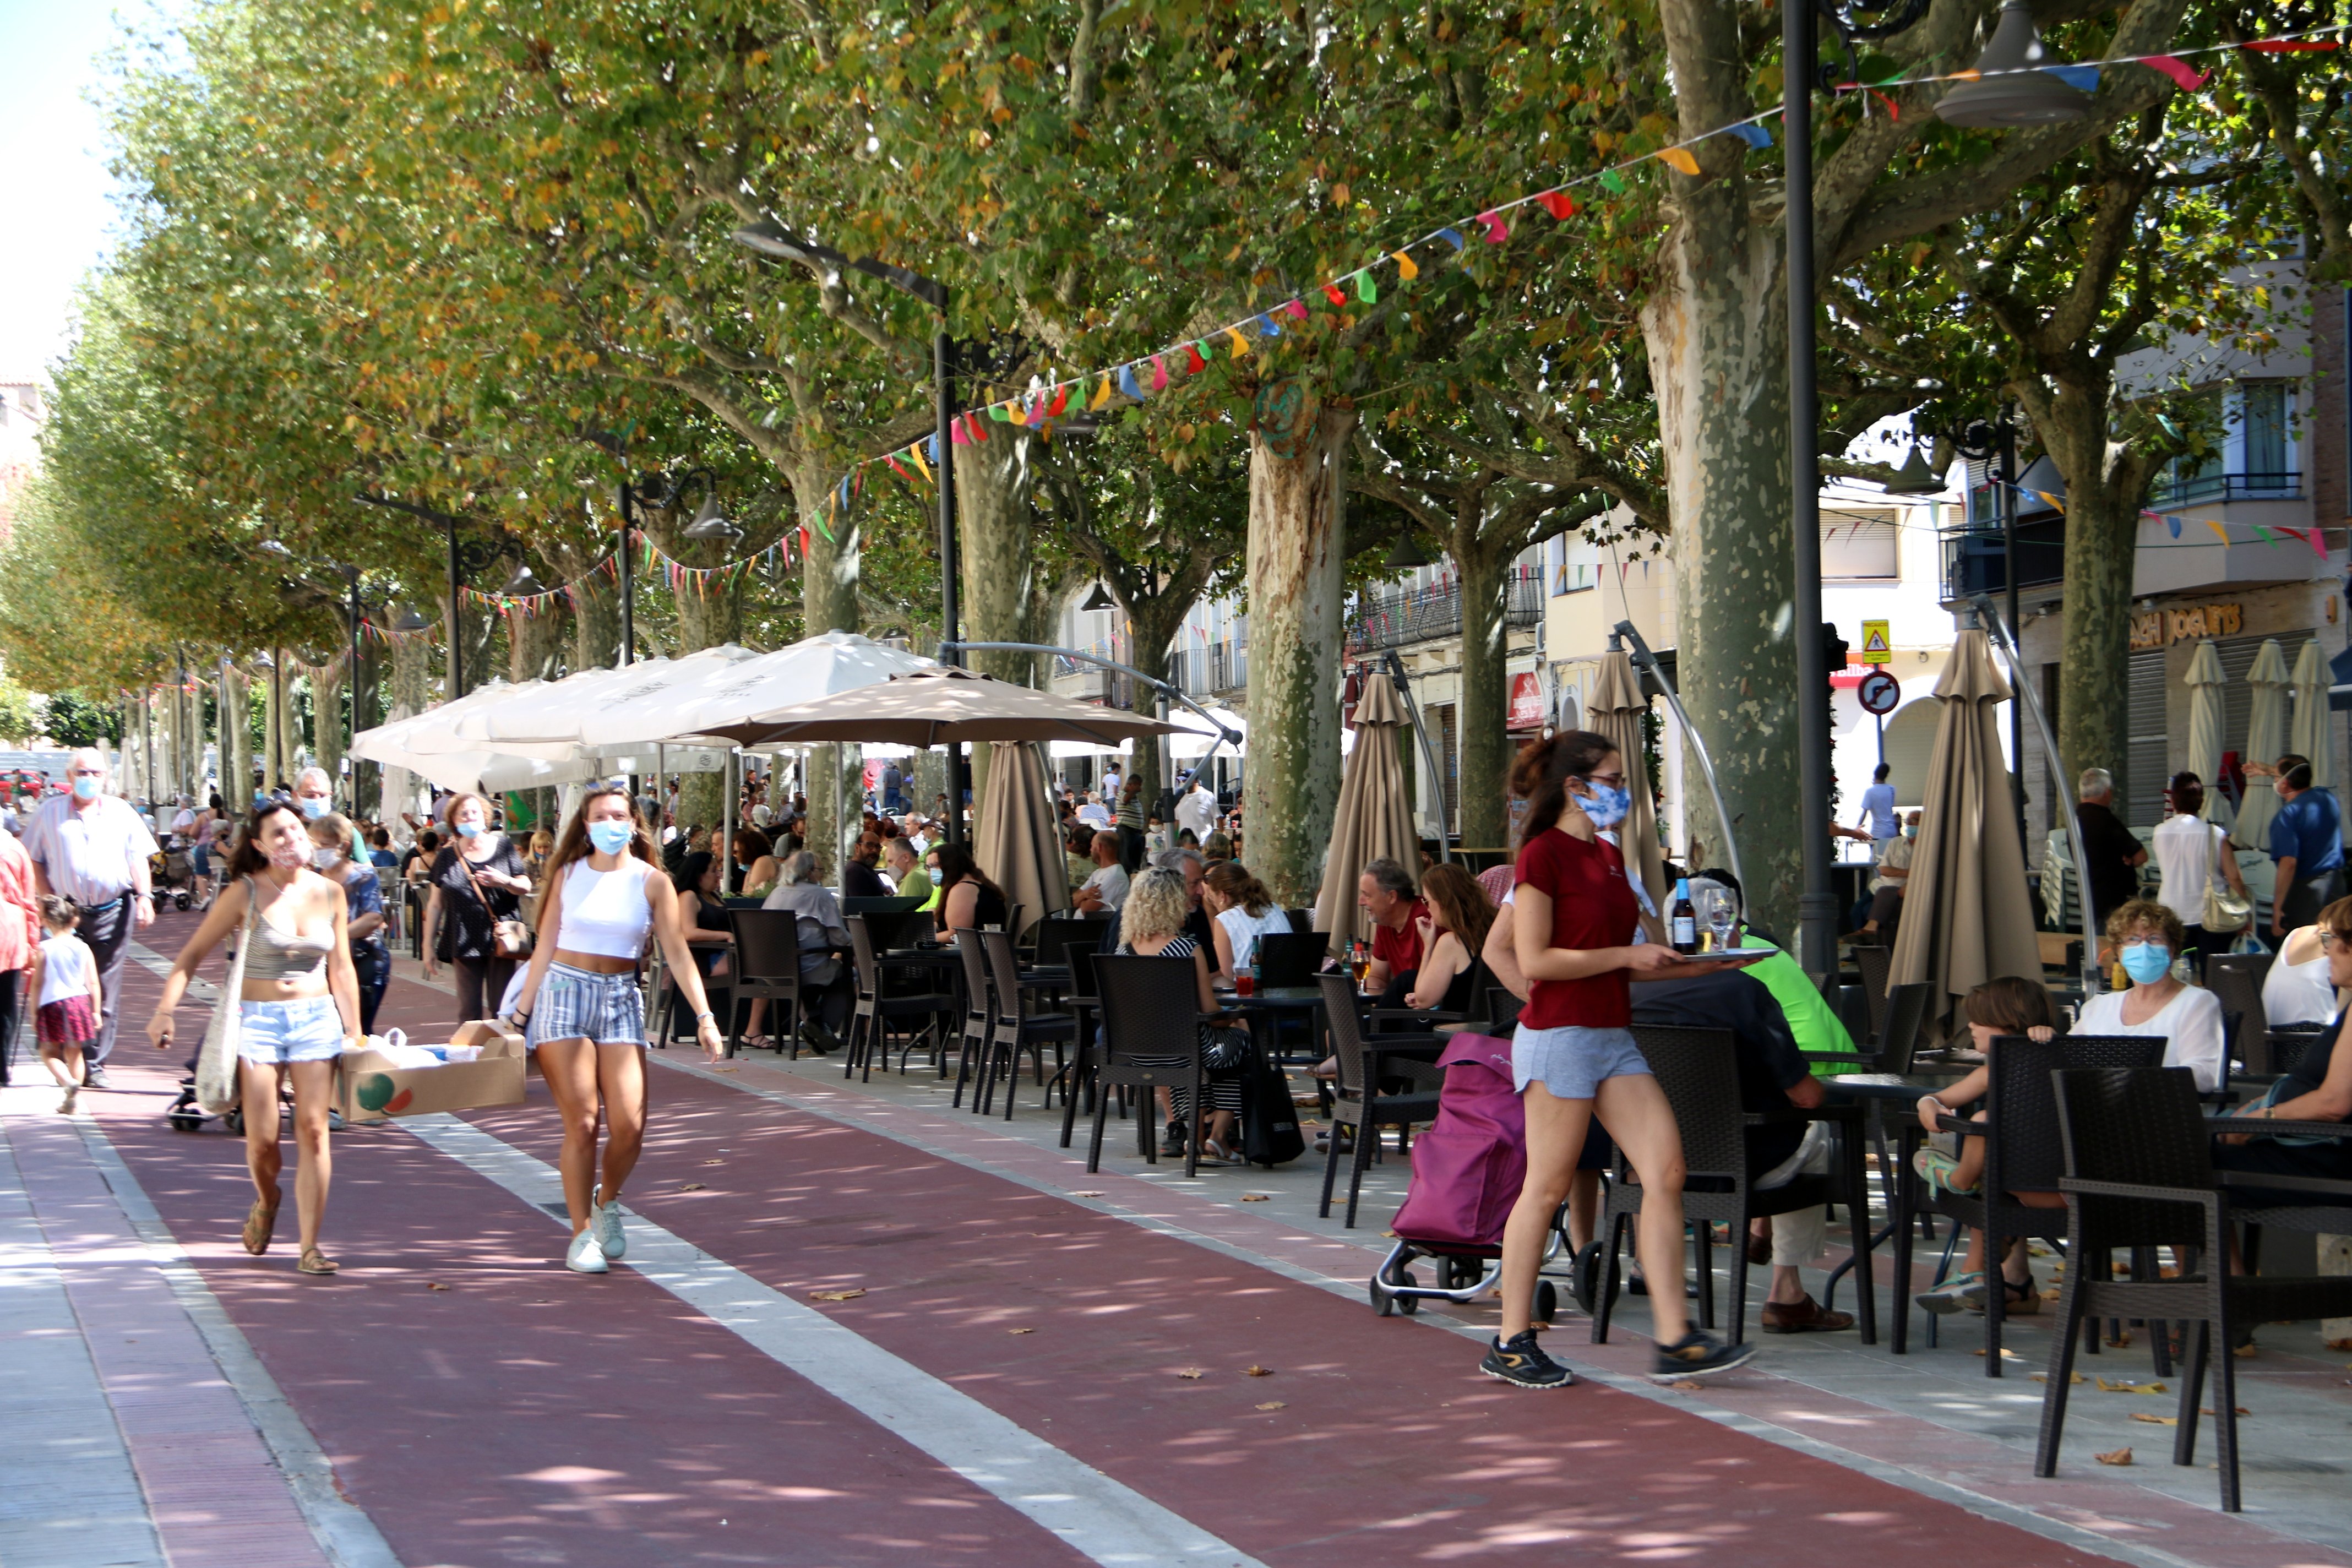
(1271, 1003)
(1888, 1089)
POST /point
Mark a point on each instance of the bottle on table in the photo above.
(1682, 923)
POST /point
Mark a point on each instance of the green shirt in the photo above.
(1816, 1027)
(915, 884)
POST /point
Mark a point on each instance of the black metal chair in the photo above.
(1056, 935)
(2254, 966)
(1699, 1070)
(767, 965)
(2138, 1175)
(1014, 1028)
(1152, 1041)
(871, 1021)
(1384, 1080)
(1291, 958)
(1085, 1055)
(2283, 1048)
(1501, 1010)
(2022, 1154)
(972, 1050)
(1876, 964)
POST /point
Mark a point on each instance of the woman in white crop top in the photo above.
(585, 1015)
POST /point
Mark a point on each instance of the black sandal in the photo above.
(1174, 1139)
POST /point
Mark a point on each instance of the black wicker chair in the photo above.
(1387, 1080)
(1014, 1028)
(2138, 1175)
(2254, 966)
(978, 1013)
(2021, 1153)
(1085, 1008)
(2240, 995)
(1151, 1015)
(1291, 958)
(871, 1021)
(1876, 964)
(767, 965)
(1699, 1072)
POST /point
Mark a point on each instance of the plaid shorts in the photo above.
(579, 1004)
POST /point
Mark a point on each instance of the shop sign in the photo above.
(2158, 628)
(1526, 702)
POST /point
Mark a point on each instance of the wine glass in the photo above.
(1720, 917)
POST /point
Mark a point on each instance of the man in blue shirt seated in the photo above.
(2307, 844)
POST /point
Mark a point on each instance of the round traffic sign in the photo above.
(1879, 692)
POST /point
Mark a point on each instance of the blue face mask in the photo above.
(313, 807)
(87, 786)
(610, 838)
(469, 829)
(1607, 805)
(2146, 961)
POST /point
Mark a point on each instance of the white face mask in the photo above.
(326, 858)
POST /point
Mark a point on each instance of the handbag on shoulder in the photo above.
(2225, 913)
(218, 1089)
(510, 937)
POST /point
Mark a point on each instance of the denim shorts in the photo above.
(1573, 1061)
(306, 1030)
(580, 1004)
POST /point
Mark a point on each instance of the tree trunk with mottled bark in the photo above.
(1718, 337)
(1291, 786)
(327, 726)
(710, 615)
(996, 534)
(1486, 745)
(236, 743)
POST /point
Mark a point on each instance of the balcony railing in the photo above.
(2189, 489)
(1209, 669)
(1398, 616)
(1976, 559)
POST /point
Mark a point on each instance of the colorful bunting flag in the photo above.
(891, 459)
(1453, 237)
(1298, 310)
(1061, 401)
(1193, 363)
(1159, 374)
(1405, 269)
(1102, 394)
(2291, 46)
(1611, 180)
(2082, 79)
(1127, 382)
(916, 452)
(1366, 290)
(2218, 532)
(1266, 328)
(1331, 292)
(1241, 345)
(2177, 69)
(1680, 158)
(1497, 230)
(1753, 135)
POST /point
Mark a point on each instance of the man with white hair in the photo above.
(92, 848)
(2112, 853)
(314, 794)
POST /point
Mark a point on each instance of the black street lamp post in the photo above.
(351, 575)
(771, 239)
(449, 521)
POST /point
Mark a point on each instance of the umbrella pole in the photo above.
(727, 809)
(1395, 669)
(1646, 661)
(2023, 695)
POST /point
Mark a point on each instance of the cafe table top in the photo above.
(1891, 1086)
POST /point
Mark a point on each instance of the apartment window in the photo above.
(1573, 577)
(1860, 544)
(2270, 406)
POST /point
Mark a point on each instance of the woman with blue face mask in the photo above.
(2146, 937)
(582, 1014)
(1573, 1057)
(477, 880)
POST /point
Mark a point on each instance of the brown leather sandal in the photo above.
(314, 1261)
(260, 1221)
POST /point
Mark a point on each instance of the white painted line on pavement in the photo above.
(1108, 1522)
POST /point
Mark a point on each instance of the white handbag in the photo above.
(218, 1091)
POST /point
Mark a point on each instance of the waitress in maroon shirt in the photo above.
(1574, 1056)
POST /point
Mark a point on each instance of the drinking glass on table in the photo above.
(1716, 908)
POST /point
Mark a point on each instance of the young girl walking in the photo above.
(65, 981)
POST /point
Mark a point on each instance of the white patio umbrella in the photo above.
(2206, 726)
(561, 711)
(2266, 739)
(728, 688)
(1195, 735)
(2308, 733)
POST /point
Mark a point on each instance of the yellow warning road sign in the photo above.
(1876, 648)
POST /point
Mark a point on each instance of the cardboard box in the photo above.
(370, 1089)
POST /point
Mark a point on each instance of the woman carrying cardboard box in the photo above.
(298, 1011)
(584, 1016)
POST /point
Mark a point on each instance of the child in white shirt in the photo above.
(65, 989)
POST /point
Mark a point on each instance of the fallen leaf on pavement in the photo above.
(836, 1295)
(1253, 1370)
(435, 1285)
(2122, 1341)
(2133, 1387)
(714, 1162)
(1687, 1384)
(2005, 1355)
(2072, 1378)
(722, 1069)
(2154, 1420)
(1192, 1374)
(1256, 1197)
(2120, 1457)
(1273, 1405)
(692, 1187)
(2246, 1352)
(2339, 1345)
(1020, 1331)
(1086, 1195)
(2207, 1410)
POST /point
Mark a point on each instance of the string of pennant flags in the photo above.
(1136, 380)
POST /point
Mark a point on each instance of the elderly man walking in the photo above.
(314, 794)
(92, 848)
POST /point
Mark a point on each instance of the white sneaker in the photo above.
(605, 1223)
(585, 1256)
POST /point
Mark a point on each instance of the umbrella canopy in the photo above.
(940, 707)
(1617, 708)
(1373, 822)
(1013, 837)
(1966, 916)
(2308, 734)
(1196, 735)
(2206, 729)
(559, 711)
(721, 690)
(2266, 739)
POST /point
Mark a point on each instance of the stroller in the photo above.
(1466, 1174)
(172, 870)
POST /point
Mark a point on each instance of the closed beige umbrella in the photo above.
(1373, 821)
(1966, 916)
(1617, 706)
(1013, 838)
(2205, 729)
(2308, 730)
(2266, 739)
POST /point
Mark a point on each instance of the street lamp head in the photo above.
(2016, 85)
(277, 547)
(708, 524)
(410, 621)
(523, 583)
(1099, 599)
(1914, 477)
(1408, 553)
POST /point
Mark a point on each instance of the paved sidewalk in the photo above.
(857, 1325)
